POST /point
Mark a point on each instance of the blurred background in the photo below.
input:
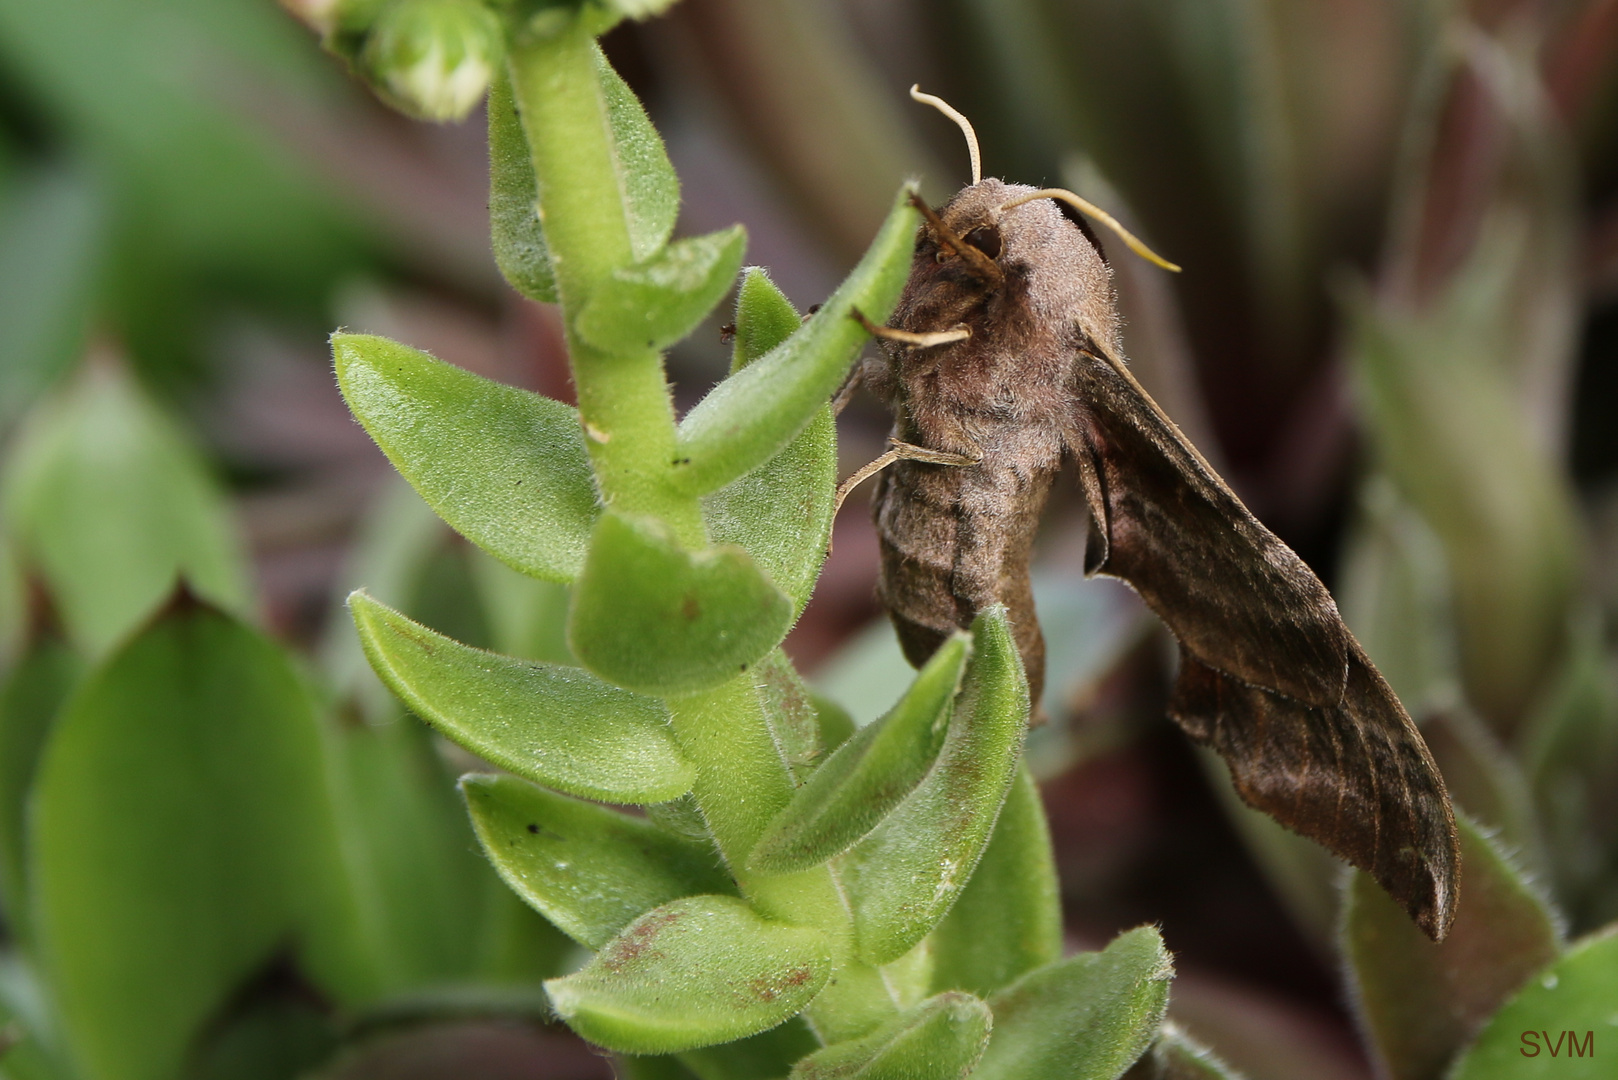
(1396, 334)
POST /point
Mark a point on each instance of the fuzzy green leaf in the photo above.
(748, 418)
(904, 876)
(1177, 1056)
(112, 506)
(555, 725)
(517, 238)
(940, 1039)
(181, 836)
(590, 870)
(692, 973)
(647, 189)
(769, 1053)
(781, 512)
(648, 186)
(650, 616)
(869, 775)
(1418, 1002)
(835, 724)
(789, 710)
(764, 318)
(1008, 920)
(1571, 1011)
(506, 468)
(1084, 1018)
(655, 303)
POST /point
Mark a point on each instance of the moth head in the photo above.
(971, 228)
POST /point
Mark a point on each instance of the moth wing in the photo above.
(1270, 677)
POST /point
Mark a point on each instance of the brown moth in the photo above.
(1003, 360)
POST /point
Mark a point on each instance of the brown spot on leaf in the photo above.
(638, 939)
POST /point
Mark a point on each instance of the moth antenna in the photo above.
(1091, 210)
(966, 126)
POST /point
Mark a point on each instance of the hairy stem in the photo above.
(624, 401)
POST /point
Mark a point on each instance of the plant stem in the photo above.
(741, 783)
(624, 401)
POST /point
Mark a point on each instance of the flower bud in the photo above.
(434, 58)
(330, 17)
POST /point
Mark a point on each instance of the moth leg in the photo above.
(905, 337)
(911, 452)
(845, 393)
(901, 451)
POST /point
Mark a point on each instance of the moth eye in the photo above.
(986, 238)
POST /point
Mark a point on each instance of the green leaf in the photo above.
(835, 724)
(648, 191)
(1084, 1018)
(14, 614)
(527, 617)
(51, 247)
(1569, 750)
(30, 698)
(692, 973)
(1569, 1008)
(588, 869)
(505, 467)
(112, 505)
(1008, 920)
(1420, 1003)
(871, 774)
(517, 237)
(650, 616)
(1177, 1056)
(781, 512)
(655, 303)
(903, 877)
(423, 892)
(940, 1039)
(555, 725)
(398, 534)
(789, 712)
(648, 186)
(748, 418)
(769, 1053)
(273, 1033)
(181, 835)
(662, 1067)
(764, 318)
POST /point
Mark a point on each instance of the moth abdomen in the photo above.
(954, 541)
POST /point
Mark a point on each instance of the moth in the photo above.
(1002, 360)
